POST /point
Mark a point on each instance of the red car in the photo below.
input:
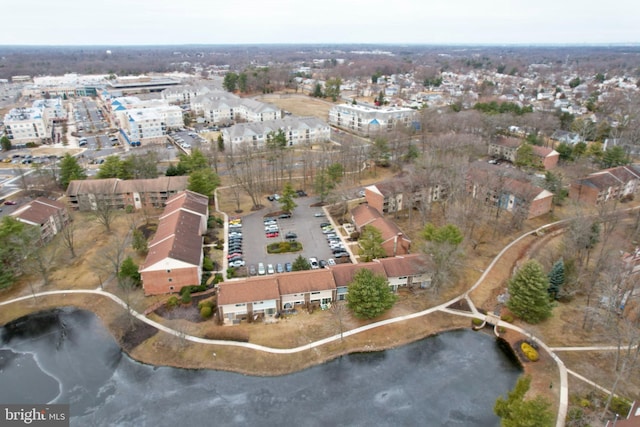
(10, 202)
(274, 234)
(233, 255)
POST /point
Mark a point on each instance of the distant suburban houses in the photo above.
(87, 195)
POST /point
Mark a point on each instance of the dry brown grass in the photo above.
(299, 105)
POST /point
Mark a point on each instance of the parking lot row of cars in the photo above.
(333, 240)
(235, 256)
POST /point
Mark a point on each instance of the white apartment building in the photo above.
(220, 107)
(184, 94)
(298, 130)
(366, 121)
(145, 121)
(26, 125)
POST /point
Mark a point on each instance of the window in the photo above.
(171, 288)
(168, 270)
(170, 280)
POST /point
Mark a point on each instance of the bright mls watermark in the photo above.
(34, 415)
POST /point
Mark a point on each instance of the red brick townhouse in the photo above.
(606, 185)
(263, 297)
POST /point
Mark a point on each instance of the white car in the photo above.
(314, 263)
(331, 261)
(270, 269)
(261, 269)
(237, 263)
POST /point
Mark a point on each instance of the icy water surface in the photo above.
(66, 356)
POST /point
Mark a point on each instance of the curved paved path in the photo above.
(564, 388)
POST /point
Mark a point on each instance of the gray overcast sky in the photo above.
(130, 22)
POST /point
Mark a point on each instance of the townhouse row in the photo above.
(262, 297)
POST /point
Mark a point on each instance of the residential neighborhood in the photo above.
(237, 208)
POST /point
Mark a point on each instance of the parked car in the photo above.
(318, 214)
(279, 268)
(331, 261)
(322, 263)
(237, 263)
(270, 269)
(288, 267)
(314, 263)
(324, 224)
(235, 258)
(270, 221)
(284, 216)
(301, 193)
(261, 269)
(10, 202)
(273, 234)
(291, 235)
(341, 254)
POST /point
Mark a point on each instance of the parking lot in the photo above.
(305, 223)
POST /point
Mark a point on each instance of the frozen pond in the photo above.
(66, 356)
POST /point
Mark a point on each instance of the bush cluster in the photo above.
(507, 318)
(530, 352)
(476, 322)
(206, 312)
(192, 289)
(282, 247)
(172, 302)
(620, 406)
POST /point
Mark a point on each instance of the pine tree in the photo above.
(514, 411)
(556, 279)
(529, 298)
(369, 295)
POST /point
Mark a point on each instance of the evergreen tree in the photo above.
(203, 181)
(70, 170)
(369, 295)
(529, 298)
(514, 411)
(300, 263)
(556, 279)
(370, 242)
(286, 201)
(129, 269)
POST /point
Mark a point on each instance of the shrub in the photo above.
(186, 297)
(218, 278)
(620, 406)
(207, 264)
(507, 318)
(476, 322)
(129, 209)
(206, 312)
(530, 352)
(172, 302)
(205, 303)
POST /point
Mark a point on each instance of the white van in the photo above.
(261, 269)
